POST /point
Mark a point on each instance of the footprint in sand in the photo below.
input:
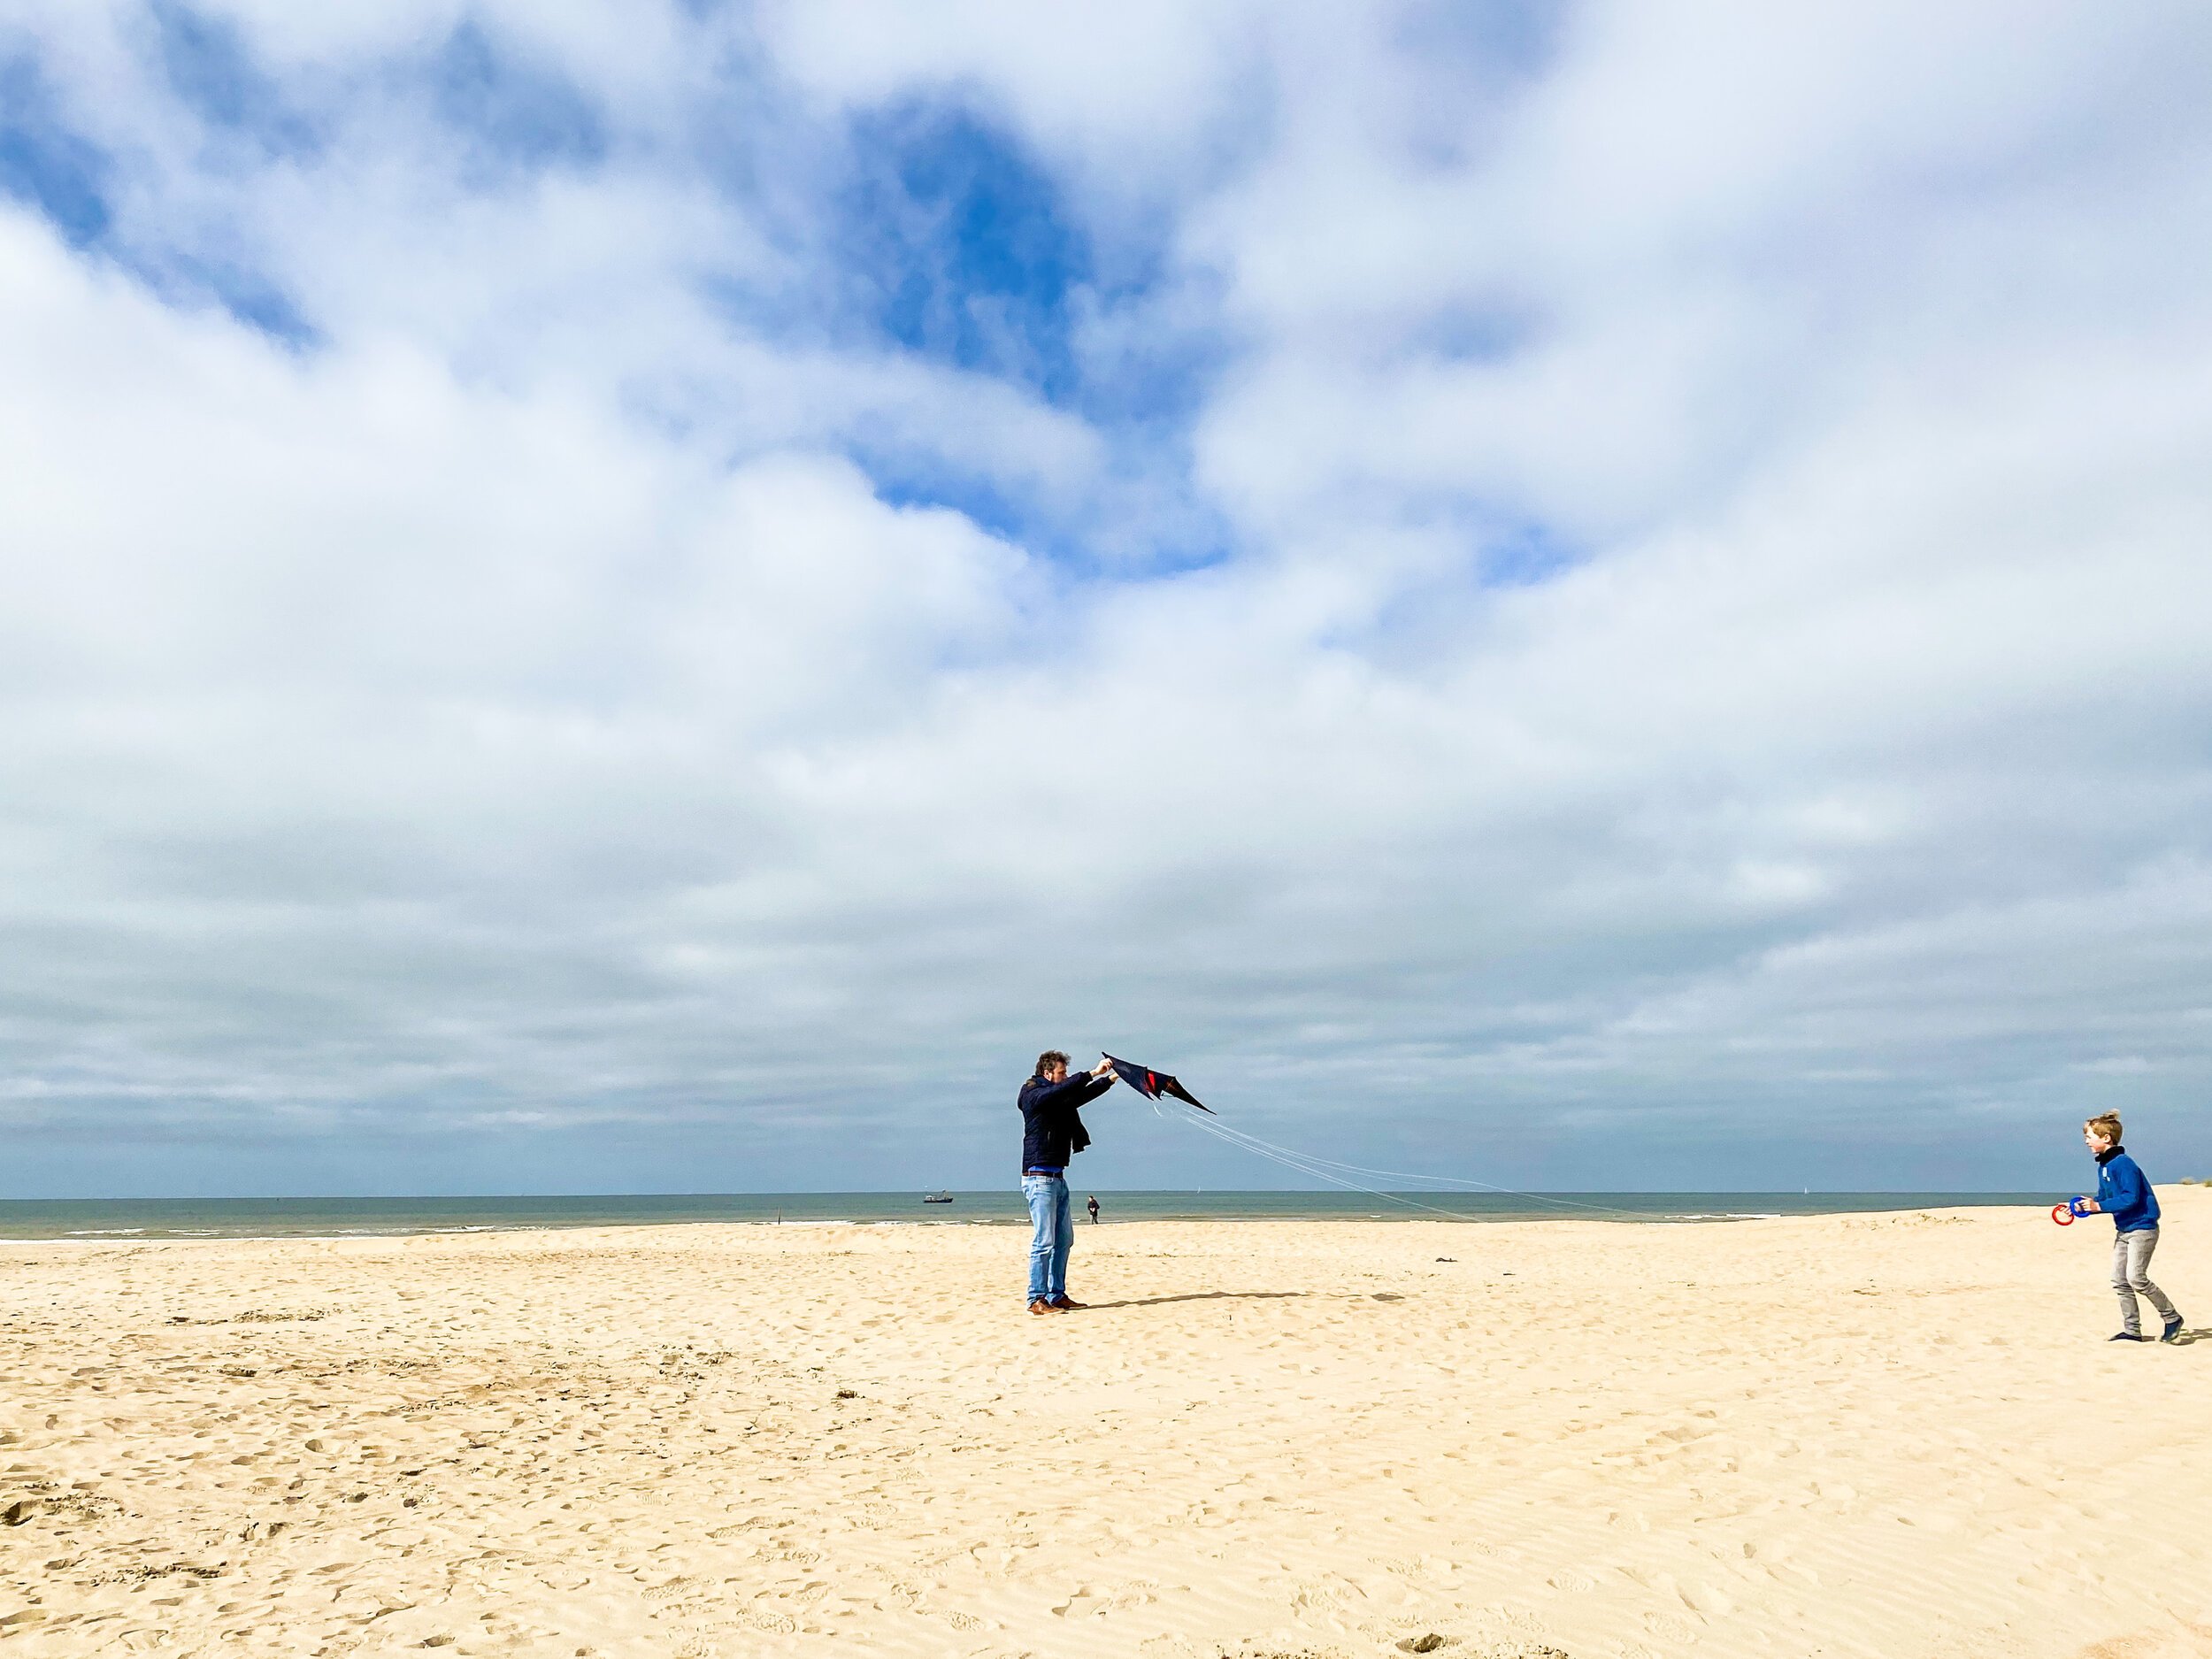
(1702, 1598)
(1667, 1627)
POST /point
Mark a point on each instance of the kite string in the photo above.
(1295, 1162)
(1445, 1180)
(1319, 1168)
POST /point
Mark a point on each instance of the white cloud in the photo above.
(1135, 82)
(521, 707)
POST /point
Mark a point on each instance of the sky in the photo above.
(655, 597)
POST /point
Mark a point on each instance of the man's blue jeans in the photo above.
(1053, 1232)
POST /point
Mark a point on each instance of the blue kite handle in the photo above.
(2079, 1204)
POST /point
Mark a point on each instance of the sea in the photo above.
(149, 1219)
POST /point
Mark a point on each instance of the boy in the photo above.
(2123, 1194)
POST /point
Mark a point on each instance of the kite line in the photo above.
(1156, 1084)
(1338, 1173)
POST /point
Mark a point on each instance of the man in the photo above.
(1093, 1207)
(1053, 1133)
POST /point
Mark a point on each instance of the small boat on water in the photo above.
(937, 1198)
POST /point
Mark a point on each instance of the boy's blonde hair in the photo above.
(2105, 1126)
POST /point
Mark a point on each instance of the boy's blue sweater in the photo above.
(2123, 1194)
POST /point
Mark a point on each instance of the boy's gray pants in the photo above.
(2131, 1276)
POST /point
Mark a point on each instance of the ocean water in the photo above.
(123, 1219)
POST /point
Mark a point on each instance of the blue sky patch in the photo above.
(46, 166)
(966, 247)
(1471, 333)
(248, 296)
(208, 67)
(1485, 42)
(979, 500)
(519, 114)
(957, 245)
(1525, 554)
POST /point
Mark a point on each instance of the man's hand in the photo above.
(2091, 1207)
(1102, 1068)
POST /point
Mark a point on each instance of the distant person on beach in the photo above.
(1053, 1133)
(1093, 1207)
(2124, 1194)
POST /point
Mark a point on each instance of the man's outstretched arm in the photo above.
(1074, 1091)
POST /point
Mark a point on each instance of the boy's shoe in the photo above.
(2123, 1336)
(2172, 1330)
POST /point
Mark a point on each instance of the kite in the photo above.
(1152, 1085)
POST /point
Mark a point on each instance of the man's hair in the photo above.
(2105, 1126)
(1049, 1058)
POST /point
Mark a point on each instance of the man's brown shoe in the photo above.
(1042, 1306)
(1064, 1304)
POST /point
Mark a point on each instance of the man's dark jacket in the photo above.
(1052, 1128)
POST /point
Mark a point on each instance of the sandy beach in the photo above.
(1893, 1435)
